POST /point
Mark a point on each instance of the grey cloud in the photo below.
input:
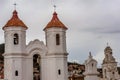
(104, 30)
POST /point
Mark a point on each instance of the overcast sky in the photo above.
(91, 24)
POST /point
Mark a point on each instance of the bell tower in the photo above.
(15, 48)
(55, 33)
(109, 65)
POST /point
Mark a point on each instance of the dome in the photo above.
(55, 22)
(108, 48)
(15, 21)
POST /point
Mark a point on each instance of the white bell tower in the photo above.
(15, 48)
(109, 65)
(55, 33)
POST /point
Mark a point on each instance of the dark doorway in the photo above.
(36, 67)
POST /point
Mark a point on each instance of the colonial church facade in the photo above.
(39, 61)
(35, 61)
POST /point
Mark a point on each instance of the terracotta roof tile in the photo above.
(55, 22)
(15, 21)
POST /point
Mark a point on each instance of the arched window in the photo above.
(92, 64)
(113, 73)
(59, 72)
(36, 67)
(16, 39)
(57, 39)
(16, 73)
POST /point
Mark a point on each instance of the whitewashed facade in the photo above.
(91, 72)
(18, 57)
(109, 66)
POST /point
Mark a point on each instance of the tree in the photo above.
(2, 49)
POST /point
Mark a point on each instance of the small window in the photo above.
(92, 64)
(113, 73)
(16, 39)
(16, 73)
(110, 52)
(59, 72)
(57, 39)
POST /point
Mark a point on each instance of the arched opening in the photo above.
(92, 65)
(16, 73)
(16, 39)
(36, 67)
(57, 39)
(59, 72)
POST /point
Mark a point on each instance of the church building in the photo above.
(109, 66)
(91, 72)
(48, 61)
(35, 61)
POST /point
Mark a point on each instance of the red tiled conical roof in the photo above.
(15, 21)
(55, 22)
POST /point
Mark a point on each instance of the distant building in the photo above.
(109, 70)
(109, 66)
(91, 72)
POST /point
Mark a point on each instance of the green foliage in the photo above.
(2, 48)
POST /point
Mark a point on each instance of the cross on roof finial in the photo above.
(54, 8)
(107, 44)
(15, 5)
(90, 55)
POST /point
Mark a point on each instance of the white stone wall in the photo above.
(57, 54)
(91, 72)
(9, 42)
(29, 69)
(13, 63)
(51, 41)
(36, 47)
(20, 57)
(57, 63)
(14, 56)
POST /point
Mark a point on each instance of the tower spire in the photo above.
(15, 20)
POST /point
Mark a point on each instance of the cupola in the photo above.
(15, 21)
(108, 48)
(55, 22)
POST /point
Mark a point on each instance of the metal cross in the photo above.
(15, 5)
(54, 7)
